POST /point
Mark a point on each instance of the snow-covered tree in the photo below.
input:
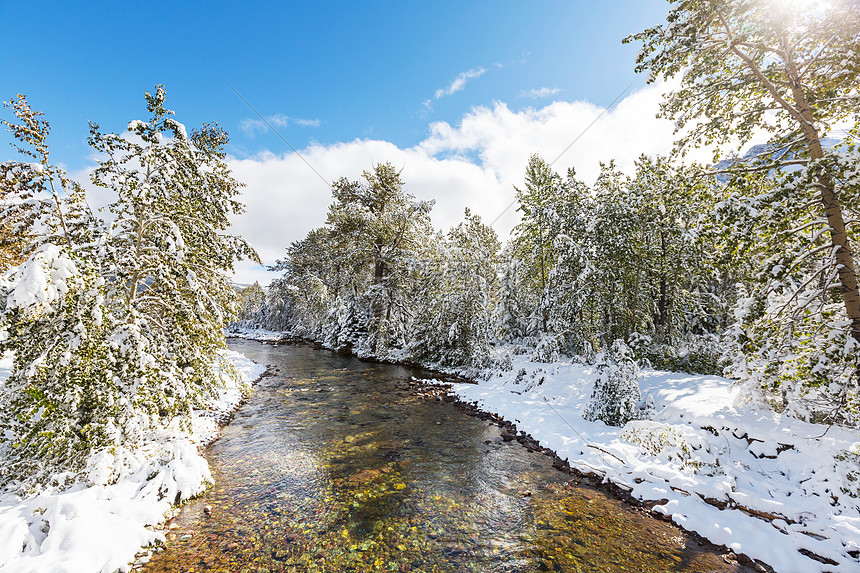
(511, 312)
(790, 70)
(539, 200)
(616, 395)
(115, 325)
(168, 263)
(62, 400)
(791, 341)
(316, 273)
(251, 304)
(39, 203)
(57, 405)
(380, 228)
(453, 325)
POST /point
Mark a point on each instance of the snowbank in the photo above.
(100, 528)
(763, 484)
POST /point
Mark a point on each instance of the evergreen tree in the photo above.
(38, 202)
(453, 326)
(59, 402)
(616, 395)
(539, 201)
(790, 339)
(381, 228)
(168, 263)
(315, 273)
(116, 326)
(251, 302)
(62, 400)
(509, 314)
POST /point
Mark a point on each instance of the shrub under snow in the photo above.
(616, 396)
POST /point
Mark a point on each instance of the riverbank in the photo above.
(769, 487)
(100, 528)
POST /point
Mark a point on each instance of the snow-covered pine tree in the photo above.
(62, 400)
(381, 228)
(682, 302)
(39, 203)
(791, 341)
(618, 242)
(533, 238)
(510, 312)
(453, 326)
(168, 263)
(616, 396)
(251, 305)
(59, 403)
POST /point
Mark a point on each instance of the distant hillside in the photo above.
(759, 154)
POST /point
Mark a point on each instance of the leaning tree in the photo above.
(787, 71)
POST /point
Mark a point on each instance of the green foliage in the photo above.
(623, 258)
(616, 395)
(791, 339)
(251, 302)
(748, 65)
(169, 263)
(453, 326)
(123, 336)
(351, 283)
(38, 202)
(381, 227)
(790, 71)
(62, 400)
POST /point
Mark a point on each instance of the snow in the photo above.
(699, 445)
(41, 279)
(101, 527)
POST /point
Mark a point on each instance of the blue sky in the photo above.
(459, 93)
(353, 69)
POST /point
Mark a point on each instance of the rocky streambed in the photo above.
(340, 465)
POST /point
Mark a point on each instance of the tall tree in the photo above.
(750, 65)
(115, 326)
(39, 203)
(539, 201)
(379, 225)
(169, 261)
(455, 301)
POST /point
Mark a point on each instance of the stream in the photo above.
(336, 465)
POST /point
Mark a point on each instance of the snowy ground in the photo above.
(100, 528)
(783, 484)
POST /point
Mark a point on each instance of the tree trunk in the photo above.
(378, 310)
(833, 212)
(663, 303)
(661, 306)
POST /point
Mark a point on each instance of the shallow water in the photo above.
(333, 465)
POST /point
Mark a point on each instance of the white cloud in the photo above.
(539, 93)
(472, 164)
(252, 126)
(460, 82)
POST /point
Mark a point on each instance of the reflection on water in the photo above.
(330, 468)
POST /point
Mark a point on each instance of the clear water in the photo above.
(334, 465)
